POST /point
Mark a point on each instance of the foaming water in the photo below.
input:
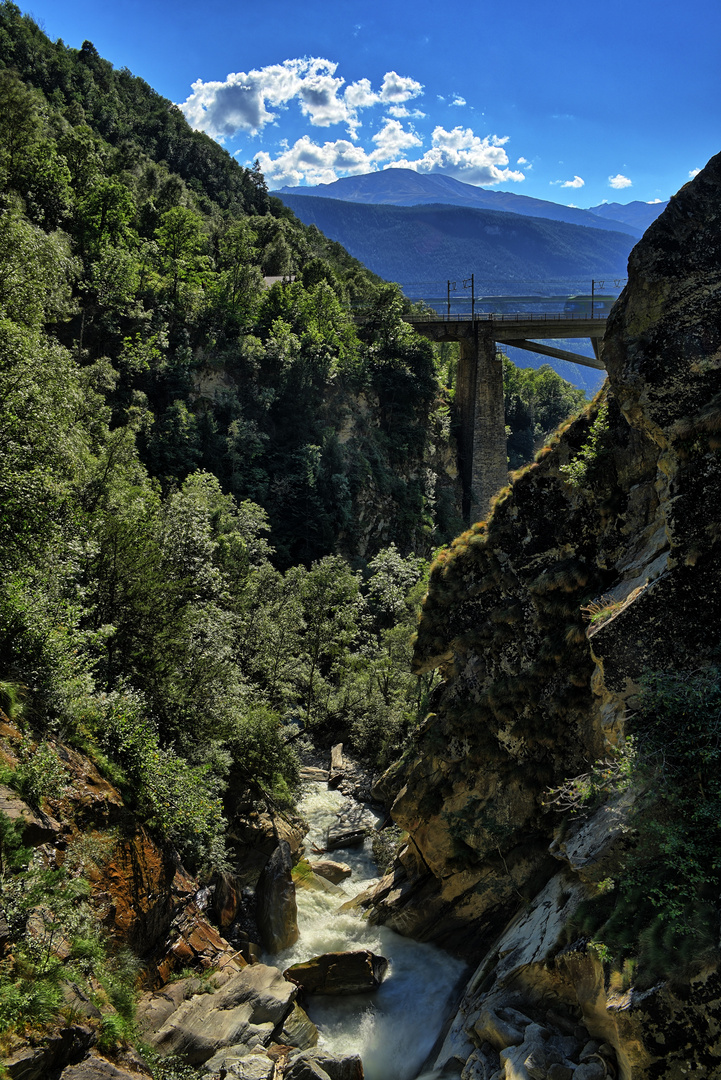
(393, 1029)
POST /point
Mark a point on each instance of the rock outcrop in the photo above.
(533, 694)
(244, 1012)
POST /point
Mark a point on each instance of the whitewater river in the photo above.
(393, 1029)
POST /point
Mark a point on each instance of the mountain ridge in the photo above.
(435, 241)
(406, 187)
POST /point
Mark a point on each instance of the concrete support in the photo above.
(479, 403)
(488, 459)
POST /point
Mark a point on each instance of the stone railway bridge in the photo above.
(479, 389)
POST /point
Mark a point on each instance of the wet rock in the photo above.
(332, 871)
(559, 1071)
(589, 1051)
(336, 758)
(306, 1069)
(482, 1064)
(320, 1065)
(240, 1064)
(226, 900)
(345, 838)
(63, 1048)
(37, 827)
(195, 943)
(312, 774)
(253, 837)
(339, 973)
(337, 766)
(590, 1070)
(136, 891)
(501, 1029)
(277, 911)
(299, 1030)
(96, 1067)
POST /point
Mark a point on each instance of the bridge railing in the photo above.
(505, 316)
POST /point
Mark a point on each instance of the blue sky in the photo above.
(573, 102)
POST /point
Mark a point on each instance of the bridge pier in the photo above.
(481, 413)
(484, 461)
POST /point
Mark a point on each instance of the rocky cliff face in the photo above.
(533, 693)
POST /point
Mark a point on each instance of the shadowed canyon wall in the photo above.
(534, 693)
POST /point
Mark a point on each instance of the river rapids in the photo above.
(395, 1028)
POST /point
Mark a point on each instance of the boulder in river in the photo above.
(344, 838)
(299, 1030)
(277, 912)
(314, 774)
(320, 1065)
(339, 973)
(331, 871)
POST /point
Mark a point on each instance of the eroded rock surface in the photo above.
(245, 1011)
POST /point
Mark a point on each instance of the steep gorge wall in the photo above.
(533, 694)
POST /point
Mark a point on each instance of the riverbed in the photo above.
(395, 1028)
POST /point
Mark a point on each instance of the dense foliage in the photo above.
(536, 402)
(659, 914)
(165, 409)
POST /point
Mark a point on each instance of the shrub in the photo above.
(177, 799)
(579, 471)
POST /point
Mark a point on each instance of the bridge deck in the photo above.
(521, 326)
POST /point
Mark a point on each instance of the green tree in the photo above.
(333, 610)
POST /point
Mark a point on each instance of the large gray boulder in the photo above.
(95, 1067)
(245, 1012)
(277, 911)
(334, 872)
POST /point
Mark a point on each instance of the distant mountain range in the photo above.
(636, 215)
(431, 243)
(405, 187)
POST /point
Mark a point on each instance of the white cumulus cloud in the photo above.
(402, 111)
(392, 140)
(691, 174)
(309, 162)
(619, 182)
(248, 101)
(467, 156)
(577, 182)
(397, 88)
(458, 100)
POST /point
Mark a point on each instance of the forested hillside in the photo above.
(173, 444)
